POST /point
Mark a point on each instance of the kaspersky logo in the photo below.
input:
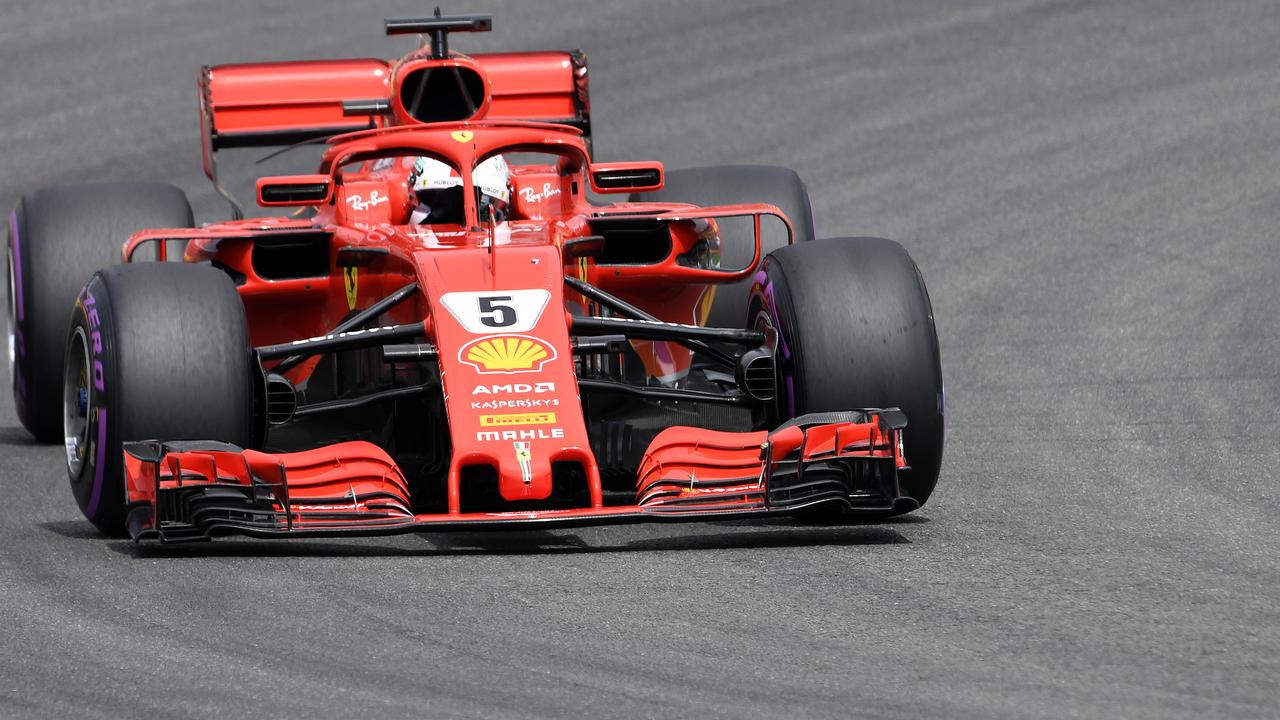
(507, 354)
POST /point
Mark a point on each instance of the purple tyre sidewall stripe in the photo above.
(17, 267)
(18, 381)
(99, 391)
(763, 280)
(91, 509)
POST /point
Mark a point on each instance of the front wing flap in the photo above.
(194, 490)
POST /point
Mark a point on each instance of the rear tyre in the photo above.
(731, 185)
(856, 331)
(155, 351)
(57, 238)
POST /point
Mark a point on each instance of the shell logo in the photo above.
(507, 354)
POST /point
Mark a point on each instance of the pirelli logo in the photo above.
(544, 418)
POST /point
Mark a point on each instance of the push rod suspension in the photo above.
(360, 319)
(657, 330)
(662, 393)
(355, 339)
(626, 309)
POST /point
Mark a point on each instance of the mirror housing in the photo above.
(627, 177)
(631, 239)
(295, 190)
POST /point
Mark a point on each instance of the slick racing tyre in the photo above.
(57, 238)
(155, 351)
(856, 331)
(732, 185)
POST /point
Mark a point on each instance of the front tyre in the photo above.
(855, 330)
(155, 351)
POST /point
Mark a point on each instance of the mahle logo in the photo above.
(507, 354)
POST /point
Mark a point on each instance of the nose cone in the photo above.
(507, 367)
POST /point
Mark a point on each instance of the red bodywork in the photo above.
(511, 394)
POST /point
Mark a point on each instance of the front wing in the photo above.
(194, 490)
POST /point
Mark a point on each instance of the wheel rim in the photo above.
(763, 322)
(11, 328)
(76, 400)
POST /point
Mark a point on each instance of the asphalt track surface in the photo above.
(1093, 193)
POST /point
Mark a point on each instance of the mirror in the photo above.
(627, 177)
(728, 244)
(294, 190)
(718, 244)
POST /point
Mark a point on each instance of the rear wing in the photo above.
(281, 103)
(284, 103)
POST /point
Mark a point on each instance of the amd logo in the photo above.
(514, 388)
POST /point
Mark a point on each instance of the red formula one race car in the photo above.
(447, 330)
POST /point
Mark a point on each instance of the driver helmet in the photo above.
(438, 188)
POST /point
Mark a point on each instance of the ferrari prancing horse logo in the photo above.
(525, 459)
(351, 278)
(462, 136)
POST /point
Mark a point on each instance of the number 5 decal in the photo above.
(484, 313)
(496, 311)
